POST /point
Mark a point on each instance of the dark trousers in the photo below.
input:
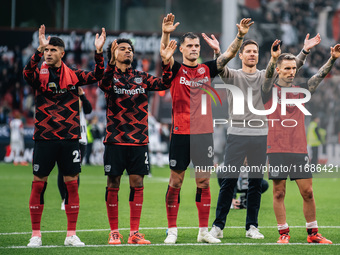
(88, 153)
(315, 155)
(61, 183)
(238, 147)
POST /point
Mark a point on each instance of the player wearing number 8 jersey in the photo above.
(126, 92)
(57, 128)
(287, 146)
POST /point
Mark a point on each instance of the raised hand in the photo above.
(244, 26)
(100, 40)
(268, 83)
(212, 42)
(335, 51)
(277, 53)
(114, 46)
(316, 79)
(310, 43)
(43, 42)
(168, 24)
(167, 52)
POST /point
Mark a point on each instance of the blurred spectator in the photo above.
(93, 133)
(17, 139)
(4, 114)
(293, 19)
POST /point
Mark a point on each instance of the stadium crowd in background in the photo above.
(295, 19)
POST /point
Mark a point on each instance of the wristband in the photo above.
(305, 52)
(240, 38)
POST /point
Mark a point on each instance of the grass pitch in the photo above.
(93, 226)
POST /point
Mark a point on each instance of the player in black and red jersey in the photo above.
(126, 92)
(191, 137)
(57, 129)
(287, 145)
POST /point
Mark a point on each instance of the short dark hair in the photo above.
(285, 56)
(247, 42)
(56, 41)
(119, 41)
(189, 35)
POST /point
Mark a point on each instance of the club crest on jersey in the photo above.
(201, 70)
(185, 71)
(138, 80)
(115, 79)
(44, 71)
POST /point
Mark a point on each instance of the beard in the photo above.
(127, 61)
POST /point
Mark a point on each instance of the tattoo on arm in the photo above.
(314, 82)
(268, 83)
(222, 61)
(300, 60)
(229, 54)
(216, 55)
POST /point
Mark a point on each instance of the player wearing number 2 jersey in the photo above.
(57, 129)
(126, 92)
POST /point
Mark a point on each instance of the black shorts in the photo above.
(198, 148)
(117, 158)
(65, 152)
(294, 165)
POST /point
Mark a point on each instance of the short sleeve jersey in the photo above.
(191, 105)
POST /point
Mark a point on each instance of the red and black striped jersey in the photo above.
(126, 96)
(56, 109)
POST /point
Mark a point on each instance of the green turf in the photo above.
(15, 186)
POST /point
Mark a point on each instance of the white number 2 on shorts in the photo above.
(146, 158)
(76, 155)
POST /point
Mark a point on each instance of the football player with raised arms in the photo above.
(243, 139)
(126, 135)
(192, 132)
(287, 146)
(57, 128)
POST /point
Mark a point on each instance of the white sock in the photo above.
(202, 230)
(313, 224)
(282, 226)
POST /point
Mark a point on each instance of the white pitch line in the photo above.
(152, 228)
(179, 244)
